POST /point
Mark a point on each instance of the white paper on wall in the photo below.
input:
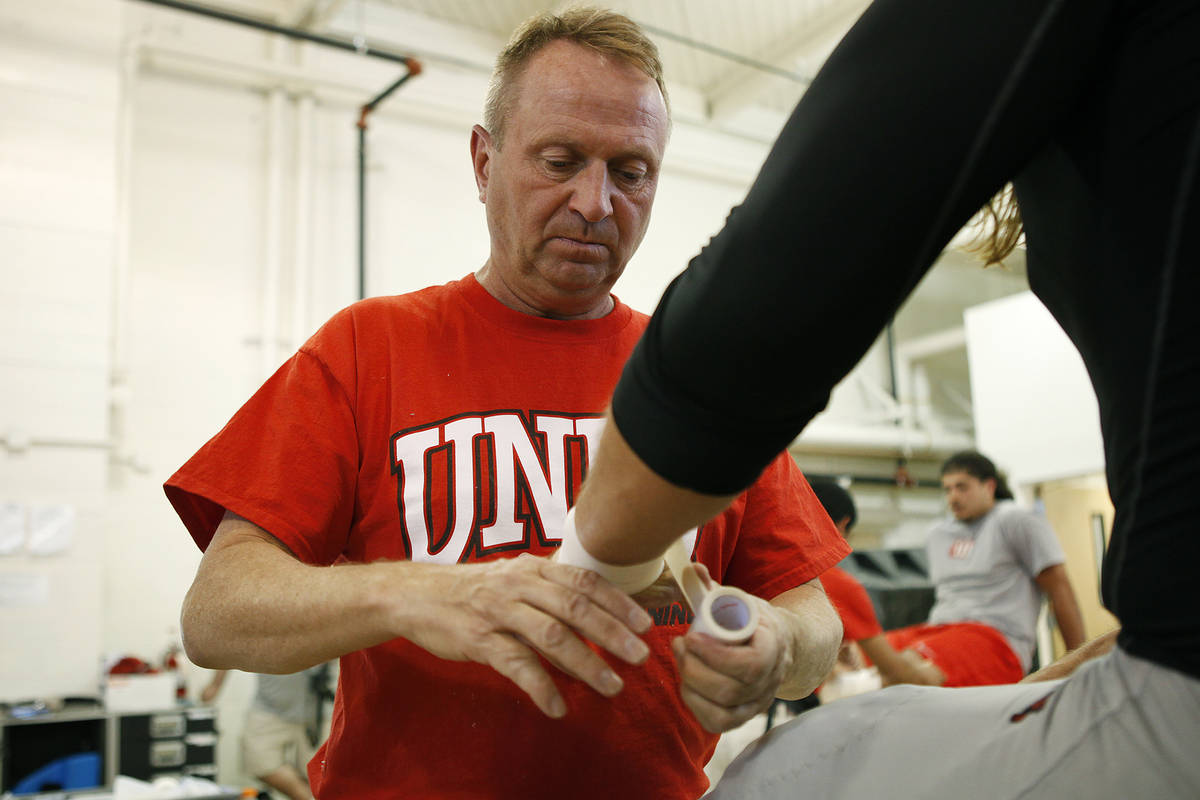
(12, 528)
(51, 529)
(23, 589)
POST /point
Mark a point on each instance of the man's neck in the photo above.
(495, 285)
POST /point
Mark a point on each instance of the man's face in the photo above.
(968, 497)
(568, 195)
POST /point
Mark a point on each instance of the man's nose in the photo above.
(591, 192)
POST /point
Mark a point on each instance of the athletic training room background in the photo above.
(181, 210)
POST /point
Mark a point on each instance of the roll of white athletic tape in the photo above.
(723, 612)
(630, 579)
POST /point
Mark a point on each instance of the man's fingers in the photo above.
(519, 664)
(593, 607)
(601, 592)
(716, 718)
(555, 640)
(748, 663)
(713, 684)
(719, 703)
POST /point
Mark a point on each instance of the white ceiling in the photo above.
(733, 54)
(760, 52)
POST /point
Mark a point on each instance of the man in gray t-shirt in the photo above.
(990, 564)
(282, 724)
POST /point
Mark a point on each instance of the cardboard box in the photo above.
(139, 692)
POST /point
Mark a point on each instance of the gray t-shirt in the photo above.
(289, 697)
(984, 571)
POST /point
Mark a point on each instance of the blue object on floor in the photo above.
(80, 771)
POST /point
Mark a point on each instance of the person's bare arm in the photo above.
(790, 653)
(1055, 584)
(900, 667)
(254, 606)
(1071, 661)
(213, 688)
(626, 513)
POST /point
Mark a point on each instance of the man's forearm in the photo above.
(814, 633)
(1054, 582)
(1073, 660)
(1068, 618)
(255, 607)
(904, 667)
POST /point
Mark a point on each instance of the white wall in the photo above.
(58, 95)
(1035, 410)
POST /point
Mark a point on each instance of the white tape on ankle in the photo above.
(723, 612)
(629, 578)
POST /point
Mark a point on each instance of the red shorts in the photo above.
(970, 653)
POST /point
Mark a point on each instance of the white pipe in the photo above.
(302, 232)
(933, 344)
(862, 439)
(118, 395)
(272, 230)
(922, 400)
(912, 379)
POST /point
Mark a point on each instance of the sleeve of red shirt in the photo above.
(853, 605)
(286, 461)
(786, 538)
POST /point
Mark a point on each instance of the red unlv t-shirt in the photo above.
(853, 605)
(443, 426)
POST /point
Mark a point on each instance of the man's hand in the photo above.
(916, 670)
(726, 684)
(504, 613)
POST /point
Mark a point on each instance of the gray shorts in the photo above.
(269, 742)
(1120, 727)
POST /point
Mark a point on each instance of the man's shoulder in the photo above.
(946, 525)
(639, 319)
(418, 301)
(1007, 512)
(427, 303)
(376, 320)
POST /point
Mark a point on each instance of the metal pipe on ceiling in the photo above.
(729, 55)
(360, 46)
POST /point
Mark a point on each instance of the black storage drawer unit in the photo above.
(171, 743)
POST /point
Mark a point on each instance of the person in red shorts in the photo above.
(990, 564)
(862, 635)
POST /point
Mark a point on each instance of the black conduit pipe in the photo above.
(295, 33)
(414, 68)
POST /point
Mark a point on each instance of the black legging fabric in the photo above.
(923, 111)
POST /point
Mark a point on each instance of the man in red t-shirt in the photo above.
(392, 494)
(860, 626)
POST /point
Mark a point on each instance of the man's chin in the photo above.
(581, 276)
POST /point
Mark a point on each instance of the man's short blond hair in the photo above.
(607, 32)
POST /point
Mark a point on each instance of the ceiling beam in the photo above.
(317, 13)
(743, 85)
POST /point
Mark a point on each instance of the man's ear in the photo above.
(481, 158)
